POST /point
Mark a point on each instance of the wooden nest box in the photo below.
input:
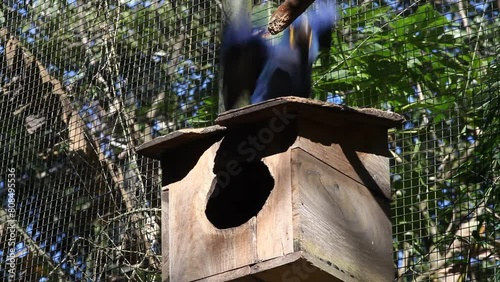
(286, 190)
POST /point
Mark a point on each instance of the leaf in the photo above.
(439, 118)
(413, 62)
(427, 17)
(362, 16)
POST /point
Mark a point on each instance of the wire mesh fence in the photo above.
(82, 83)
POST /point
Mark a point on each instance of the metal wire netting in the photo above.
(82, 83)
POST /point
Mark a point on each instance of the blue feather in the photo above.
(252, 66)
(289, 67)
(244, 54)
(285, 73)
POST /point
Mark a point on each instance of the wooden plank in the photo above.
(323, 112)
(165, 270)
(302, 269)
(296, 216)
(291, 267)
(357, 150)
(274, 221)
(177, 162)
(356, 136)
(342, 223)
(158, 147)
(335, 272)
(244, 273)
(197, 248)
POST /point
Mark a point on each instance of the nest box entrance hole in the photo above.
(236, 198)
(240, 188)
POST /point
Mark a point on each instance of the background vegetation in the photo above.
(82, 83)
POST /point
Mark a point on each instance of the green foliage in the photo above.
(135, 72)
(445, 83)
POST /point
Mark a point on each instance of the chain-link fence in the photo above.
(82, 83)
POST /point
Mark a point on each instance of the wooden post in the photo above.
(286, 190)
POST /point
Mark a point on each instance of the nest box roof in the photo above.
(321, 112)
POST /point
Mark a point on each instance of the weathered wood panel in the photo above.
(294, 267)
(341, 222)
(299, 270)
(323, 112)
(165, 270)
(197, 248)
(161, 145)
(274, 221)
(360, 150)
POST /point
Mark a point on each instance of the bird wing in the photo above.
(322, 19)
(242, 62)
(253, 68)
(277, 83)
(283, 75)
(244, 54)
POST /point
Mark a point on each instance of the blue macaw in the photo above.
(251, 65)
(244, 54)
(288, 69)
(322, 21)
